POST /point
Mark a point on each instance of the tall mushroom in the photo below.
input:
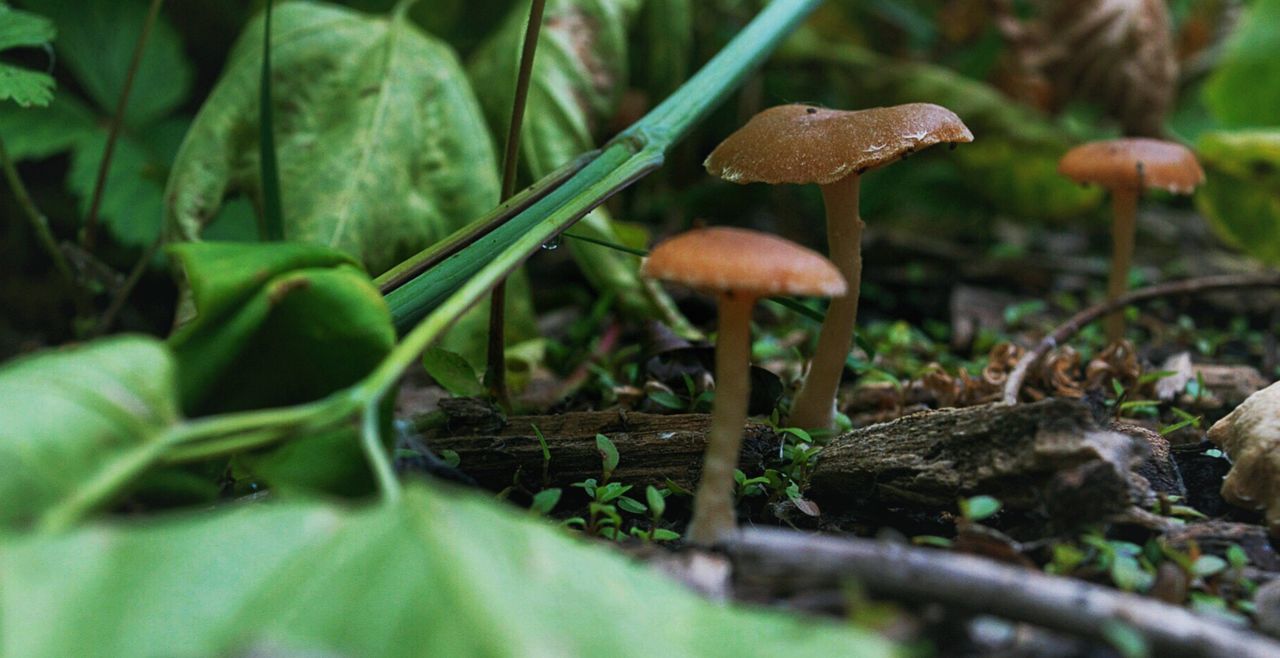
(739, 266)
(803, 144)
(1126, 167)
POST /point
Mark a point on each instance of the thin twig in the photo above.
(122, 293)
(40, 224)
(1066, 330)
(765, 557)
(113, 131)
(495, 375)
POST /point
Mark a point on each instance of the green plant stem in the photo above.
(40, 225)
(102, 488)
(88, 235)
(370, 441)
(272, 206)
(658, 131)
(122, 295)
(456, 241)
(495, 372)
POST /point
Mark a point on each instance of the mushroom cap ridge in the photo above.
(1133, 162)
(806, 144)
(723, 259)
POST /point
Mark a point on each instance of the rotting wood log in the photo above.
(769, 563)
(651, 448)
(1051, 456)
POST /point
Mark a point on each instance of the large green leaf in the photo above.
(578, 77)
(274, 324)
(1241, 193)
(1244, 90)
(96, 40)
(438, 574)
(69, 415)
(380, 143)
(23, 86)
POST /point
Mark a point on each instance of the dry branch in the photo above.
(768, 563)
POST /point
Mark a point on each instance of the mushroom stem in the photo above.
(815, 404)
(714, 519)
(1124, 204)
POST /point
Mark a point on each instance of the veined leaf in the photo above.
(71, 414)
(23, 86)
(380, 144)
(439, 574)
(1241, 192)
(96, 40)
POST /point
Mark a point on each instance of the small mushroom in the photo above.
(1250, 435)
(803, 144)
(739, 266)
(1126, 167)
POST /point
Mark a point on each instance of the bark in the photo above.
(1050, 456)
(651, 447)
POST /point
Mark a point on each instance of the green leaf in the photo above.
(608, 454)
(657, 502)
(96, 40)
(1241, 193)
(1244, 89)
(274, 324)
(1208, 565)
(978, 508)
(55, 129)
(24, 87)
(439, 574)
(380, 144)
(544, 501)
(452, 372)
(669, 33)
(578, 77)
(73, 414)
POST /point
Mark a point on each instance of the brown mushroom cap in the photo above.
(1132, 163)
(724, 259)
(806, 144)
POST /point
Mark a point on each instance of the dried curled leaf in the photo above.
(1250, 435)
(1118, 362)
(1118, 53)
(1060, 372)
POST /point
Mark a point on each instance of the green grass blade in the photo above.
(272, 208)
(630, 156)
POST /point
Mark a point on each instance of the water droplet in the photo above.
(552, 245)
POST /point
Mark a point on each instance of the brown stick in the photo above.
(495, 374)
(1066, 330)
(113, 132)
(767, 561)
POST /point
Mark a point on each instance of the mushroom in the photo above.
(1126, 166)
(1250, 435)
(805, 144)
(739, 266)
